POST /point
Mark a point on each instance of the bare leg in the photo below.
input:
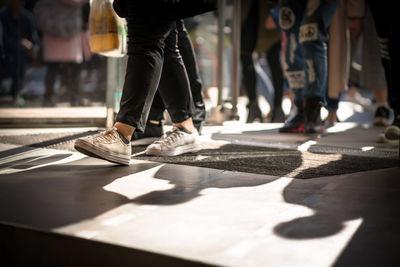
(187, 125)
(125, 129)
(380, 96)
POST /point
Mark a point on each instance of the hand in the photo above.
(28, 46)
(355, 27)
(269, 23)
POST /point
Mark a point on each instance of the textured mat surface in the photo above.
(277, 162)
(251, 159)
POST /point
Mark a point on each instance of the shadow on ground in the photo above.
(62, 194)
(40, 192)
(374, 198)
(273, 161)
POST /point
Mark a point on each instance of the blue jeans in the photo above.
(304, 25)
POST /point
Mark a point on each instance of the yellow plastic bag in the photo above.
(107, 31)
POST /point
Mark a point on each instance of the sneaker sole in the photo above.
(176, 152)
(319, 130)
(392, 133)
(144, 141)
(97, 152)
(381, 139)
(300, 129)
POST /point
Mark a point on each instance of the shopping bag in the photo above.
(107, 31)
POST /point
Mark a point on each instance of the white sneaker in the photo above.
(381, 138)
(357, 98)
(107, 145)
(392, 132)
(175, 142)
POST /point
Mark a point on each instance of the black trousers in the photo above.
(383, 13)
(189, 59)
(248, 41)
(152, 50)
(273, 58)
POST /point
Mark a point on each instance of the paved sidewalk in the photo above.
(196, 215)
(52, 116)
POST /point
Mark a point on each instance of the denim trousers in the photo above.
(304, 25)
(152, 50)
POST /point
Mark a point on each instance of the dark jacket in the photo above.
(164, 9)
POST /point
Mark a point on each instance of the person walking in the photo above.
(383, 13)
(152, 50)
(154, 125)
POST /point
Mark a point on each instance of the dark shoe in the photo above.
(312, 116)
(381, 116)
(152, 133)
(254, 112)
(199, 115)
(277, 115)
(296, 124)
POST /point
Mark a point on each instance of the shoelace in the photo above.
(170, 136)
(107, 135)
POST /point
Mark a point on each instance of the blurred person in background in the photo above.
(269, 44)
(346, 21)
(383, 13)
(60, 21)
(154, 125)
(305, 28)
(256, 37)
(372, 76)
(248, 41)
(93, 68)
(19, 37)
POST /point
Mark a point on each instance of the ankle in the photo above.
(332, 118)
(125, 129)
(187, 125)
(154, 122)
(382, 104)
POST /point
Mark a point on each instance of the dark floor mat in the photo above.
(251, 159)
(276, 162)
(61, 141)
